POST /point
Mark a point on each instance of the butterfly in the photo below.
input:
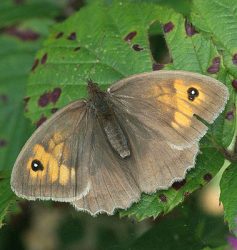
(141, 135)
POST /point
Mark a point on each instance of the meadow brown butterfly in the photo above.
(140, 136)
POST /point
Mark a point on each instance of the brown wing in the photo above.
(112, 183)
(155, 164)
(166, 102)
(117, 182)
(54, 162)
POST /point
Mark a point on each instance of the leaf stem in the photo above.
(230, 155)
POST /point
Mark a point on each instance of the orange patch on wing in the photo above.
(64, 175)
(58, 151)
(159, 91)
(41, 155)
(181, 120)
(51, 145)
(182, 88)
(183, 115)
(73, 174)
(50, 164)
(58, 137)
(32, 173)
(38, 149)
(53, 169)
(174, 102)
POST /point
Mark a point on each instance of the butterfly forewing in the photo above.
(53, 163)
(166, 102)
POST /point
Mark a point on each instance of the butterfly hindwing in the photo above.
(117, 182)
(112, 183)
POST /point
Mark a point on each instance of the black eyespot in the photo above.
(192, 93)
(36, 165)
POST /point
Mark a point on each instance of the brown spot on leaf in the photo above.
(207, 177)
(137, 47)
(230, 115)
(157, 66)
(130, 36)
(26, 100)
(41, 121)
(3, 99)
(59, 35)
(48, 97)
(178, 184)
(186, 194)
(215, 67)
(234, 84)
(234, 59)
(44, 58)
(54, 110)
(163, 198)
(44, 99)
(24, 35)
(77, 48)
(35, 64)
(189, 28)
(72, 36)
(3, 143)
(55, 95)
(168, 27)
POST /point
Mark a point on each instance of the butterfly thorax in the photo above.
(103, 109)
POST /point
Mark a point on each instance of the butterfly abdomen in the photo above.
(108, 122)
(116, 136)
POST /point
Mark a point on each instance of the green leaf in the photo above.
(77, 50)
(98, 51)
(228, 196)
(11, 12)
(184, 229)
(224, 247)
(218, 19)
(8, 200)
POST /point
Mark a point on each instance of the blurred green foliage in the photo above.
(92, 43)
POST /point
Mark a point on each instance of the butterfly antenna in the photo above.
(91, 82)
(92, 87)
